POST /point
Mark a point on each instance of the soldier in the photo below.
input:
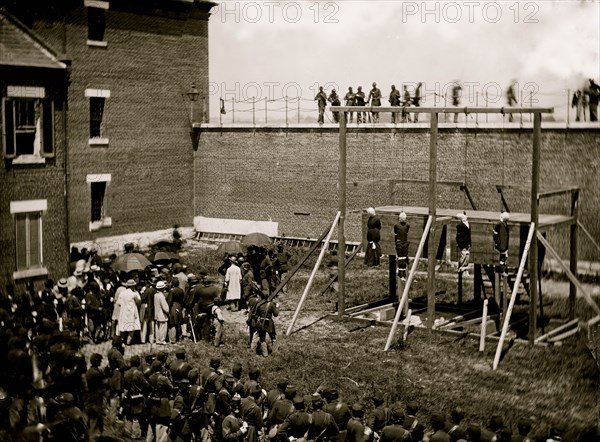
(454, 428)
(223, 403)
(523, 428)
(67, 422)
(411, 423)
(321, 100)
(361, 117)
(211, 381)
(238, 383)
(136, 388)
(334, 99)
(355, 431)
(116, 366)
(196, 419)
(375, 100)
(179, 367)
(296, 425)
(234, 427)
(438, 423)
(160, 409)
(394, 432)
(323, 427)
(179, 427)
(94, 398)
(265, 335)
(253, 381)
(350, 101)
(378, 418)
(281, 410)
(339, 410)
(252, 413)
(394, 100)
(276, 393)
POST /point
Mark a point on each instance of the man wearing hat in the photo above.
(355, 430)
(234, 428)
(454, 427)
(179, 367)
(378, 417)
(339, 410)
(161, 312)
(94, 258)
(323, 427)
(116, 367)
(137, 388)
(411, 423)
(78, 278)
(281, 410)
(438, 425)
(95, 395)
(262, 311)
(160, 409)
(394, 431)
(233, 280)
(296, 425)
(251, 412)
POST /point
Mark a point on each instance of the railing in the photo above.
(298, 110)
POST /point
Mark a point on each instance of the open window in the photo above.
(28, 122)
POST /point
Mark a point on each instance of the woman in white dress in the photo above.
(129, 317)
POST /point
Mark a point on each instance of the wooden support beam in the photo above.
(392, 276)
(555, 192)
(312, 275)
(465, 189)
(409, 281)
(535, 208)
(484, 321)
(564, 335)
(588, 234)
(342, 218)
(593, 321)
(513, 296)
(431, 252)
(573, 252)
(446, 110)
(569, 274)
(443, 220)
(504, 202)
(557, 330)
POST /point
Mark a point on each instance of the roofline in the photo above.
(36, 38)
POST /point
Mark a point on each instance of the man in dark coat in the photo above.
(137, 389)
(234, 427)
(412, 423)
(323, 427)
(375, 100)
(454, 427)
(350, 99)
(282, 408)
(417, 101)
(355, 431)
(401, 241)
(394, 432)
(378, 418)
(501, 236)
(179, 367)
(339, 410)
(593, 92)
(296, 425)
(265, 335)
(394, 100)
(334, 99)
(321, 100)
(95, 396)
(438, 425)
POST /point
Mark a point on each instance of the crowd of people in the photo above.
(164, 397)
(583, 99)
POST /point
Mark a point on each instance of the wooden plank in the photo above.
(513, 298)
(556, 330)
(484, 321)
(569, 274)
(431, 261)
(588, 234)
(312, 275)
(332, 280)
(535, 209)
(564, 335)
(554, 192)
(342, 212)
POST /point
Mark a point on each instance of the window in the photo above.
(96, 11)
(28, 121)
(97, 124)
(28, 237)
(96, 111)
(98, 188)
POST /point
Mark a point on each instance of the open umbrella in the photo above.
(129, 262)
(230, 247)
(256, 239)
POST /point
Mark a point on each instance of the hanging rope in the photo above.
(465, 159)
(373, 164)
(402, 172)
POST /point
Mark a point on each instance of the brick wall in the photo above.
(291, 176)
(149, 63)
(36, 182)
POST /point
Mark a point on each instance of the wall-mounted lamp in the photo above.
(193, 95)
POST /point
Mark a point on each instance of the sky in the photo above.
(270, 49)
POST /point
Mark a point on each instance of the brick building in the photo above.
(130, 153)
(33, 215)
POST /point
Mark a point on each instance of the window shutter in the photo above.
(21, 234)
(35, 243)
(48, 128)
(8, 129)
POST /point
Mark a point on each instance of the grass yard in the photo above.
(556, 385)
